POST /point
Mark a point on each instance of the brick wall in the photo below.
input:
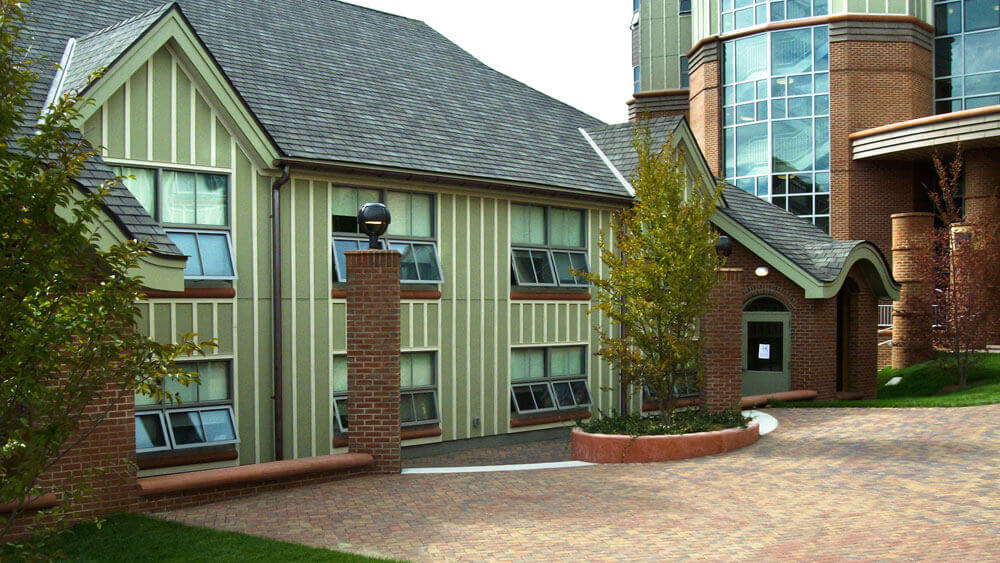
(722, 344)
(911, 259)
(373, 344)
(861, 356)
(873, 83)
(705, 109)
(982, 195)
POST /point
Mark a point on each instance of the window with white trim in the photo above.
(193, 208)
(548, 379)
(411, 232)
(417, 390)
(547, 244)
(202, 417)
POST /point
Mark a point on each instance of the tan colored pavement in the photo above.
(828, 484)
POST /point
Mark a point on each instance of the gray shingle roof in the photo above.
(333, 81)
(615, 141)
(803, 243)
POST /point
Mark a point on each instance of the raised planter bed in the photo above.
(615, 448)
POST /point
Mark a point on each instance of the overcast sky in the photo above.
(577, 51)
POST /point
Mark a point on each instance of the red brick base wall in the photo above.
(721, 337)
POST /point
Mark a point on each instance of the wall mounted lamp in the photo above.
(761, 271)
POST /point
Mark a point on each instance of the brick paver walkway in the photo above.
(827, 484)
(542, 451)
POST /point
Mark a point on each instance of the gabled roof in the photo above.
(615, 141)
(337, 83)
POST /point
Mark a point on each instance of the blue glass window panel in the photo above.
(581, 393)
(685, 78)
(800, 107)
(187, 244)
(800, 184)
(778, 87)
(821, 48)
(948, 18)
(744, 92)
(761, 111)
(981, 101)
(777, 11)
(822, 203)
(727, 22)
(981, 14)
(823, 182)
(823, 223)
(744, 18)
(730, 152)
(793, 145)
(762, 188)
(780, 201)
(746, 184)
(799, 85)
(820, 7)
(761, 89)
(217, 425)
(751, 59)
(947, 56)
(798, 9)
(982, 51)
(215, 255)
(947, 87)
(730, 115)
(822, 143)
(684, 7)
(340, 247)
(407, 262)
(149, 432)
(947, 106)
(744, 113)
(186, 427)
(822, 83)
(821, 105)
(729, 93)
(427, 262)
(777, 109)
(780, 184)
(743, 3)
(543, 267)
(727, 5)
(800, 205)
(751, 156)
(791, 51)
(761, 13)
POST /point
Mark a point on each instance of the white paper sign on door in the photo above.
(764, 352)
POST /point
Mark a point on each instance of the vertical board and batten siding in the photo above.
(471, 328)
(160, 118)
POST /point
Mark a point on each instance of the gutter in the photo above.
(276, 326)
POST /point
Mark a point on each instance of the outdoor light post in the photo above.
(373, 219)
(724, 246)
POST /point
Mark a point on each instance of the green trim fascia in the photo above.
(877, 276)
(174, 30)
(157, 272)
(683, 137)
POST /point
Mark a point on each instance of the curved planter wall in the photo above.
(614, 448)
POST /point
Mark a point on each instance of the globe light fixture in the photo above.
(761, 271)
(724, 246)
(373, 220)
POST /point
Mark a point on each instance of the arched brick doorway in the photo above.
(857, 338)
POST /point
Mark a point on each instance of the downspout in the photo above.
(277, 333)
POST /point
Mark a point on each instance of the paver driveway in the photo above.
(827, 484)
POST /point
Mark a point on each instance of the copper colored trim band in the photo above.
(193, 293)
(428, 294)
(419, 433)
(48, 500)
(657, 93)
(911, 214)
(246, 474)
(548, 418)
(188, 459)
(542, 296)
(807, 22)
(955, 115)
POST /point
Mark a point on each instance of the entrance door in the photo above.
(766, 347)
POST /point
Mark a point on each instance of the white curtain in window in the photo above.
(178, 197)
(142, 184)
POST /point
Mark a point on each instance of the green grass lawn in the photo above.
(130, 537)
(921, 382)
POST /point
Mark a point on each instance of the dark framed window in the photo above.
(411, 232)
(549, 379)
(547, 244)
(203, 416)
(193, 207)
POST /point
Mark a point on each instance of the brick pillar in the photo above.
(722, 346)
(911, 266)
(862, 342)
(373, 356)
(705, 102)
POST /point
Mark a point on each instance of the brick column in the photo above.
(911, 266)
(705, 102)
(722, 345)
(373, 356)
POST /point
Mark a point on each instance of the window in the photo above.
(739, 14)
(203, 417)
(966, 54)
(685, 79)
(547, 244)
(684, 7)
(417, 384)
(194, 208)
(636, 85)
(548, 379)
(776, 118)
(411, 232)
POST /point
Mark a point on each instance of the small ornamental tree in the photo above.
(965, 304)
(660, 273)
(69, 349)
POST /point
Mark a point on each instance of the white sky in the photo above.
(577, 51)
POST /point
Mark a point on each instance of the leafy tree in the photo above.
(965, 304)
(661, 271)
(69, 348)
